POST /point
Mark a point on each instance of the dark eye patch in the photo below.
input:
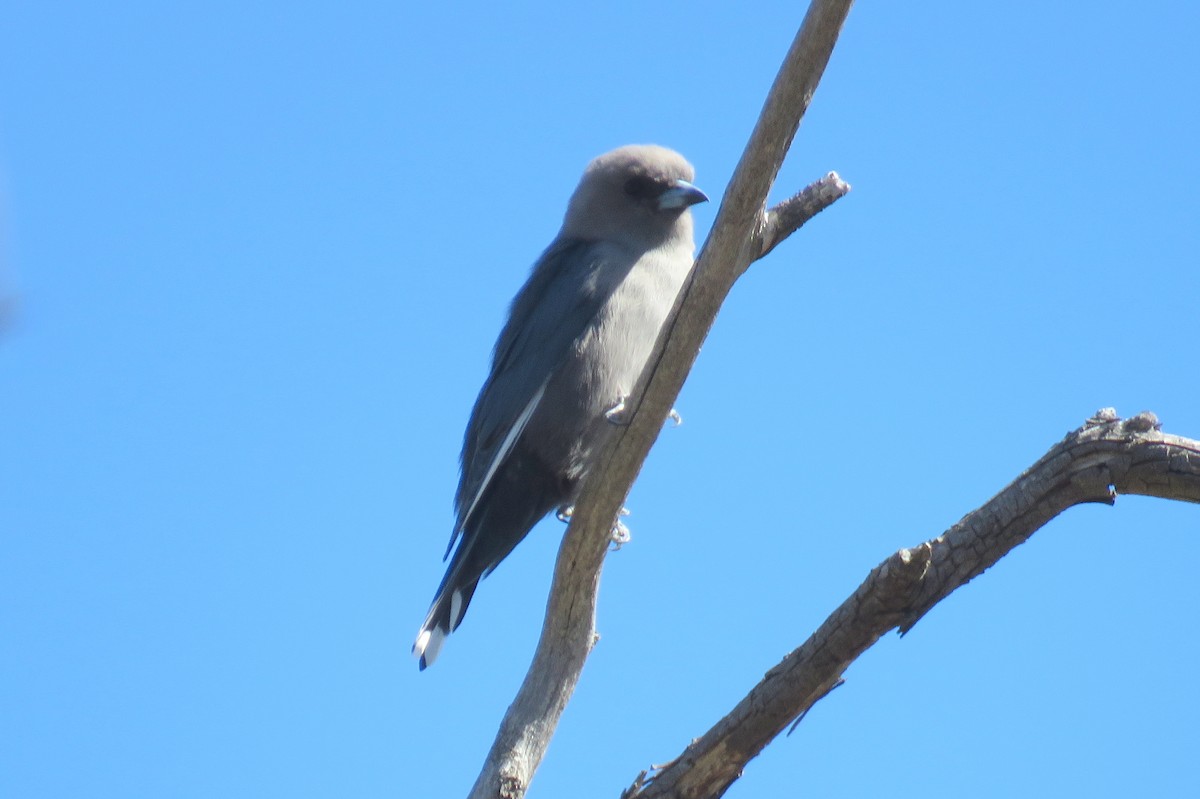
(641, 187)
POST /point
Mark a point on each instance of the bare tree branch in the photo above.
(743, 231)
(1095, 463)
(784, 219)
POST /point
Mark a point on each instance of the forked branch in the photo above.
(1096, 463)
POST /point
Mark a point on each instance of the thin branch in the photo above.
(784, 219)
(736, 240)
(1104, 458)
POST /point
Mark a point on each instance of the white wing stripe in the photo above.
(506, 446)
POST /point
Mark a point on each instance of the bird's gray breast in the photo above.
(614, 350)
(607, 358)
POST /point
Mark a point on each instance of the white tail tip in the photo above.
(428, 645)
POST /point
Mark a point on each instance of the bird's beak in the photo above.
(681, 195)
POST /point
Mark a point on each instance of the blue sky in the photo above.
(256, 257)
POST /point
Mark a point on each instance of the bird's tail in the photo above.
(509, 510)
(445, 614)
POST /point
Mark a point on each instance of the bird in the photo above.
(578, 334)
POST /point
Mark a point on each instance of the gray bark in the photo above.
(1096, 463)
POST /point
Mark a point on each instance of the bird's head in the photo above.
(638, 194)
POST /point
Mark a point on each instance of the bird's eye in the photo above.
(642, 187)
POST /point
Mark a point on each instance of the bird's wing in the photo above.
(567, 288)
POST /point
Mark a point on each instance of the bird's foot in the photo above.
(620, 535)
(675, 418)
(565, 512)
(618, 414)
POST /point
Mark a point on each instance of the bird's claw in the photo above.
(675, 418)
(620, 534)
(616, 414)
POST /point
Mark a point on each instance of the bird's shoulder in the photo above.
(566, 288)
